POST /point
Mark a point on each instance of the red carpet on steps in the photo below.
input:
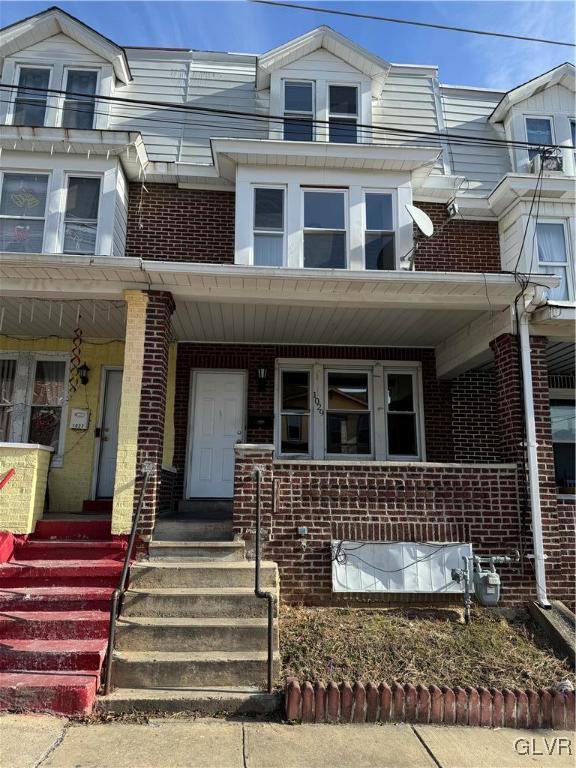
(54, 612)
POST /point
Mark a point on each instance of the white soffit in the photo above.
(519, 186)
(564, 75)
(30, 317)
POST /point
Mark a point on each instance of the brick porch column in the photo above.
(510, 425)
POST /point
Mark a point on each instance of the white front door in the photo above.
(217, 424)
(109, 434)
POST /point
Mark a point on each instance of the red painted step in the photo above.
(56, 598)
(72, 529)
(59, 693)
(36, 573)
(57, 655)
(97, 505)
(60, 549)
(52, 625)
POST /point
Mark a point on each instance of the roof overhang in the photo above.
(323, 37)
(55, 21)
(416, 160)
(128, 146)
(557, 319)
(561, 75)
(522, 186)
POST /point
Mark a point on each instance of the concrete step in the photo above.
(62, 549)
(194, 602)
(206, 701)
(156, 669)
(71, 528)
(52, 625)
(39, 573)
(52, 655)
(190, 530)
(198, 574)
(71, 694)
(197, 550)
(143, 633)
(56, 598)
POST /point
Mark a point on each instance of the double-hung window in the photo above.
(295, 412)
(47, 401)
(538, 132)
(78, 109)
(563, 417)
(343, 113)
(22, 212)
(7, 383)
(81, 215)
(379, 246)
(348, 415)
(553, 256)
(401, 415)
(269, 226)
(31, 96)
(325, 241)
(298, 110)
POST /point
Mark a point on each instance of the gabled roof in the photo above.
(322, 37)
(564, 75)
(54, 21)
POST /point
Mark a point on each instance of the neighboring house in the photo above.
(246, 291)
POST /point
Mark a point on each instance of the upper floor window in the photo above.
(269, 226)
(379, 246)
(553, 256)
(78, 108)
(573, 132)
(81, 216)
(343, 113)
(22, 212)
(325, 229)
(298, 110)
(538, 132)
(31, 101)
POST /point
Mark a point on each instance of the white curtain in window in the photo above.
(552, 248)
(268, 250)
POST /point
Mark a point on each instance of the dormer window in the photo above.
(31, 101)
(539, 132)
(343, 113)
(78, 108)
(298, 110)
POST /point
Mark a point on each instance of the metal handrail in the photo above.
(257, 590)
(118, 593)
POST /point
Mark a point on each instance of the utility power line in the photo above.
(412, 23)
(376, 129)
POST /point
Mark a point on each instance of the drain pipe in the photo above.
(532, 453)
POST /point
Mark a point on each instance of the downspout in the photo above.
(532, 455)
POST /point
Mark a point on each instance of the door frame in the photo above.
(191, 402)
(98, 425)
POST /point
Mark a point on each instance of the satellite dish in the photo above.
(421, 219)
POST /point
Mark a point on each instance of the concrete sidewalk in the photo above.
(38, 741)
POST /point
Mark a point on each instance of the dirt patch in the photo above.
(343, 644)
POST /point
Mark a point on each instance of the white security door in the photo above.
(109, 434)
(218, 423)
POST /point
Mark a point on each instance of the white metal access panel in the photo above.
(217, 424)
(396, 566)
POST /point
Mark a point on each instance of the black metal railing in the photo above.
(257, 589)
(118, 593)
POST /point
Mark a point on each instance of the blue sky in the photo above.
(239, 26)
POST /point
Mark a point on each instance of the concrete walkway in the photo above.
(41, 741)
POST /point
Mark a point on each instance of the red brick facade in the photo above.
(473, 406)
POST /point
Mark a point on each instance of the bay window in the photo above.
(298, 110)
(31, 98)
(553, 257)
(379, 246)
(343, 113)
(325, 229)
(268, 226)
(81, 215)
(78, 109)
(367, 410)
(22, 212)
(538, 132)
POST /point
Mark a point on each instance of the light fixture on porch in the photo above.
(262, 378)
(83, 371)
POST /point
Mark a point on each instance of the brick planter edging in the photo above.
(371, 703)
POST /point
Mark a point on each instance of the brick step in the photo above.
(158, 574)
(154, 669)
(36, 573)
(70, 694)
(72, 529)
(61, 549)
(198, 550)
(57, 655)
(56, 598)
(194, 602)
(52, 625)
(143, 633)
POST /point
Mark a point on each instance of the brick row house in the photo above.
(209, 265)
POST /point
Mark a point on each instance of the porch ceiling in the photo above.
(50, 317)
(278, 323)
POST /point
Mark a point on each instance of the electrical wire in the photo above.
(413, 23)
(341, 557)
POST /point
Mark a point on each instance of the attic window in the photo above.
(78, 109)
(30, 102)
(298, 110)
(343, 113)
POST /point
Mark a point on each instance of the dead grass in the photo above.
(344, 644)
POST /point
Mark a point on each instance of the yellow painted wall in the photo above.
(69, 485)
(22, 498)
